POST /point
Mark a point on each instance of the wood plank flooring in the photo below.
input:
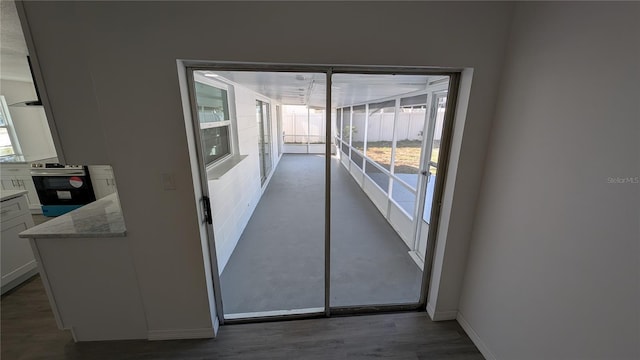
(29, 332)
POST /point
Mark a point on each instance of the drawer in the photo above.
(15, 207)
(13, 170)
(101, 171)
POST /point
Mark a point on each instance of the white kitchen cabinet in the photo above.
(18, 177)
(17, 260)
(102, 180)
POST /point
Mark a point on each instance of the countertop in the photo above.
(10, 194)
(101, 218)
(13, 159)
(21, 159)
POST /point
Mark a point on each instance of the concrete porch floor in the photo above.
(278, 263)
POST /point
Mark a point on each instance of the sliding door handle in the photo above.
(206, 209)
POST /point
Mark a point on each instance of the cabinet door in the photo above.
(112, 185)
(10, 183)
(17, 257)
(101, 188)
(26, 183)
(102, 180)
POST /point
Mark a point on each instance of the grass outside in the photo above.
(407, 154)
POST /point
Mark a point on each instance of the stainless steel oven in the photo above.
(62, 188)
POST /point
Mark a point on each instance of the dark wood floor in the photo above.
(29, 332)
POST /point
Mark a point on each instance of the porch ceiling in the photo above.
(310, 88)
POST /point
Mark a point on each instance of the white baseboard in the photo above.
(216, 326)
(441, 315)
(18, 276)
(181, 334)
(473, 335)
(416, 258)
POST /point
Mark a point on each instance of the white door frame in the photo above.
(454, 76)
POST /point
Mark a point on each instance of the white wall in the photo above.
(234, 196)
(553, 270)
(30, 123)
(110, 71)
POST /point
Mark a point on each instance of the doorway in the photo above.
(437, 108)
(328, 232)
(263, 115)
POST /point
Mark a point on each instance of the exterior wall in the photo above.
(114, 99)
(235, 195)
(553, 271)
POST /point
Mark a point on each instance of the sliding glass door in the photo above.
(263, 115)
(335, 222)
(383, 150)
(438, 106)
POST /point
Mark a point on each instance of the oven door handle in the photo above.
(68, 173)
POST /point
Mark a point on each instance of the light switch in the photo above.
(168, 181)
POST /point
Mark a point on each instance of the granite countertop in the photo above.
(101, 218)
(10, 194)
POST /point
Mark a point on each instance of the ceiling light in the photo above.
(211, 75)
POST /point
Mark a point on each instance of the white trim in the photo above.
(214, 124)
(217, 82)
(258, 314)
(445, 315)
(20, 278)
(473, 335)
(19, 272)
(203, 333)
(441, 315)
(73, 334)
(430, 310)
(216, 326)
(416, 258)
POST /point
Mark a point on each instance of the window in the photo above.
(8, 140)
(215, 121)
(215, 142)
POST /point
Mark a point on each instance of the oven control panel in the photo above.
(56, 166)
